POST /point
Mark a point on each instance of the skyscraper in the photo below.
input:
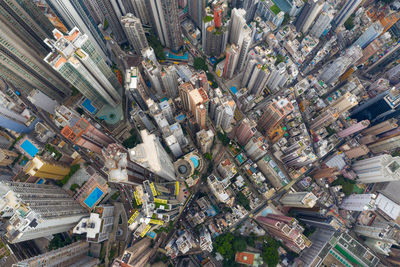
(247, 41)
(321, 25)
(308, 14)
(77, 60)
(378, 169)
(141, 11)
(74, 13)
(82, 133)
(121, 168)
(285, 229)
(135, 33)
(385, 144)
(382, 127)
(237, 26)
(356, 152)
(166, 23)
(39, 167)
(278, 77)
(7, 157)
(349, 7)
(334, 70)
(113, 20)
(369, 35)
(196, 11)
(151, 155)
(244, 131)
(274, 114)
(299, 200)
(75, 254)
(353, 128)
(22, 50)
(169, 80)
(37, 210)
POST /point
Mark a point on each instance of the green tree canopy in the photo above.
(200, 64)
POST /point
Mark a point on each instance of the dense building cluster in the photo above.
(199, 133)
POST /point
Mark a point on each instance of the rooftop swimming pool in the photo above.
(93, 197)
(87, 104)
(233, 90)
(29, 148)
(195, 161)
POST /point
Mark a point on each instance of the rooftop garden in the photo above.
(275, 9)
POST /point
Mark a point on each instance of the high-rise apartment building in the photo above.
(353, 128)
(76, 59)
(205, 140)
(244, 131)
(37, 210)
(134, 32)
(385, 144)
(166, 23)
(98, 226)
(344, 103)
(378, 169)
(83, 134)
(358, 202)
(197, 11)
(339, 249)
(141, 11)
(244, 49)
(7, 157)
(195, 101)
(299, 200)
(356, 152)
(169, 80)
(231, 61)
(285, 229)
(382, 127)
(274, 114)
(256, 148)
(308, 14)
(349, 7)
(278, 77)
(113, 19)
(74, 13)
(334, 70)
(22, 28)
(75, 254)
(42, 168)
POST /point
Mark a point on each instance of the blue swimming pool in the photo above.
(29, 148)
(87, 104)
(176, 57)
(41, 181)
(93, 197)
(195, 161)
(233, 89)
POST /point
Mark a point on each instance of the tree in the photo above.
(279, 59)
(242, 199)
(239, 244)
(200, 64)
(270, 256)
(208, 156)
(349, 23)
(156, 45)
(223, 245)
(80, 110)
(223, 138)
